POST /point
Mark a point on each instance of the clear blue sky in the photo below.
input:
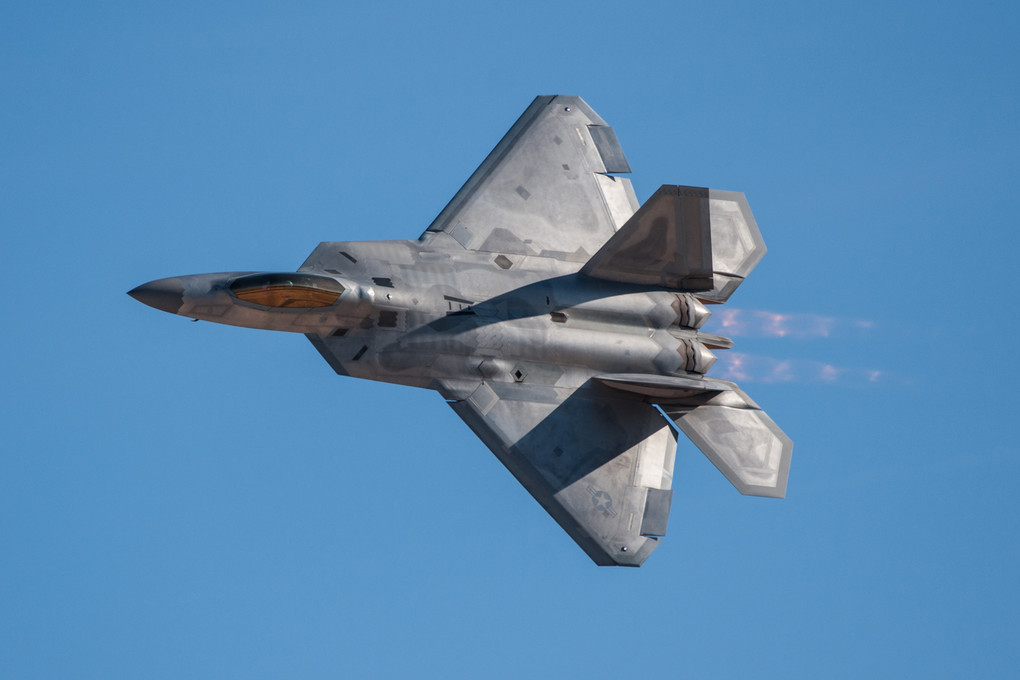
(186, 500)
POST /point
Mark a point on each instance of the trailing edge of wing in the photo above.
(600, 463)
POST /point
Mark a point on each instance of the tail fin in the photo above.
(729, 428)
(698, 240)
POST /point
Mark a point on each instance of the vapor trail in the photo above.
(765, 324)
(749, 368)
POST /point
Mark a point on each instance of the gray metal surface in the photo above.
(598, 497)
(738, 437)
(666, 243)
(737, 245)
(539, 192)
(553, 339)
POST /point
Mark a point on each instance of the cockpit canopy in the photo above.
(290, 290)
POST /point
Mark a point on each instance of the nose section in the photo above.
(164, 294)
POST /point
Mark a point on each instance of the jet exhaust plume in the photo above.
(750, 368)
(765, 324)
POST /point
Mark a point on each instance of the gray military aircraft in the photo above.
(554, 314)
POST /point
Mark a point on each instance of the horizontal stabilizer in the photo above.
(729, 428)
(664, 389)
(702, 241)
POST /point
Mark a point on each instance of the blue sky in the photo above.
(189, 500)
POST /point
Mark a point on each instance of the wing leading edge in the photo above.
(546, 189)
(599, 462)
(600, 458)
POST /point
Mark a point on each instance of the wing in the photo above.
(544, 190)
(599, 462)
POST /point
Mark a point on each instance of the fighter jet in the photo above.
(557, 316)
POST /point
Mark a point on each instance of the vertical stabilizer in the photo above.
(697, 240)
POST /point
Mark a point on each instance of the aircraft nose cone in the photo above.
(164, 294)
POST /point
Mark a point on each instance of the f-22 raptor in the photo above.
(557, 316)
